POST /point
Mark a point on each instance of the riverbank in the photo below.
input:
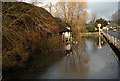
(89, 34)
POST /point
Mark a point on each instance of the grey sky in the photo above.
(102, 9)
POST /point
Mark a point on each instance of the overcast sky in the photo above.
(102, 9)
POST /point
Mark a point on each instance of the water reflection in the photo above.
(77, 59)
(100, 42)
(83, 60)
(76, 63)
(96, 42)
(68, 49)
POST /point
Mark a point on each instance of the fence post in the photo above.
(115, 41)
(118, 44)
(112, 40)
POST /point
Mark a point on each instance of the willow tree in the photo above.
(73, 13)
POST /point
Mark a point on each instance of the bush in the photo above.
(90, 28)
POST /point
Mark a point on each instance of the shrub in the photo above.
(90, 28)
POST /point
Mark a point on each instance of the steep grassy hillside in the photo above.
(27, 30)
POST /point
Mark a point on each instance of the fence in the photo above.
(112, 40)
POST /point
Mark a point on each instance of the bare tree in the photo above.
(74, 13)
(115, 17)
(93, 18)
(49, 6)
(36, 2)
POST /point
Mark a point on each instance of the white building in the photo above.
(67, 35)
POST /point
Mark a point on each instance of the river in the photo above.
(87, 58)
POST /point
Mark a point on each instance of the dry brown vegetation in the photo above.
(27, 30)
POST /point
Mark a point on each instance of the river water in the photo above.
(87, 58)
